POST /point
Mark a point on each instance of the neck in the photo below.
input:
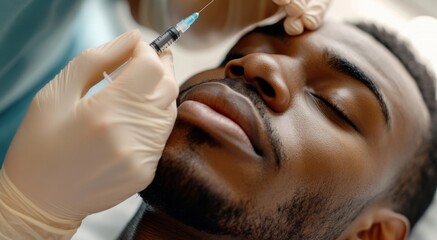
(155, 225)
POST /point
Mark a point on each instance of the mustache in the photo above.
(238, 86)
(253, 95)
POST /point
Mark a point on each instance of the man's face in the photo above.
(291, 138)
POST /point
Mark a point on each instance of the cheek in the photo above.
(323, 157)
(217, 73)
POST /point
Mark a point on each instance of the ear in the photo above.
(378, 224)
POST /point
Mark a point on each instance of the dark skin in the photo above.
(304, 138)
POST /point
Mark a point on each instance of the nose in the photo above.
(265, 73)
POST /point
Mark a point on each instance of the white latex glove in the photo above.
(223, 19)
(303, 14)
(74, 156)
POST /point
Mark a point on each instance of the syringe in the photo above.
(165, 39)
(172, 34)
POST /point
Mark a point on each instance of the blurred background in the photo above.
(102, 20)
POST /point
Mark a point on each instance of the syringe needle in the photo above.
(205, 6)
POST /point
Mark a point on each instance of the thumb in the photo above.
(86, 70)
(148, 76)
(167, 60)
(167, 89)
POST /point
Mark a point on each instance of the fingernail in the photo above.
(293, 26)
(311, 22)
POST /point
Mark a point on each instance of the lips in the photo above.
(222, 111)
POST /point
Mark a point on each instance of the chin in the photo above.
(181, 187)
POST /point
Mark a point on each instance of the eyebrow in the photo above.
(342, 65)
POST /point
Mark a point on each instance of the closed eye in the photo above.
(337, 110)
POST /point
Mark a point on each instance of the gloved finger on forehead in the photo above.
(293, 26)
(296, 8)
(314, 14)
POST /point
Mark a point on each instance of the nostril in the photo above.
(237, 70)
(265, 87)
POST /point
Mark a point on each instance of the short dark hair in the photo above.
(415, 187)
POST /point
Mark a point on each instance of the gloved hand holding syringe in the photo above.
(73, 155)
(166, 39)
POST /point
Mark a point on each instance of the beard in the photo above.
(181, 193)
(182, 189)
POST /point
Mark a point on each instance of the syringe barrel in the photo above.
(165, 40)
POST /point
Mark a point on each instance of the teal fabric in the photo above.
(26, 26)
